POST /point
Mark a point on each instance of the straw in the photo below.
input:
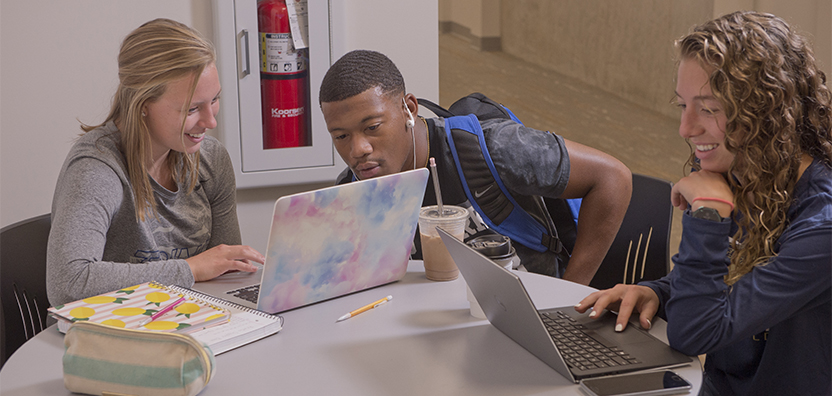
(436, 186)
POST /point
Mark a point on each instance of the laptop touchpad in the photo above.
(603, 332)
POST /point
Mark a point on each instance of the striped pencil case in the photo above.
(106, 360)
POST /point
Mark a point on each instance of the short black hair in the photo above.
(358, 71)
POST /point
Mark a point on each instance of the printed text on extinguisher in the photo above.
(283, 113)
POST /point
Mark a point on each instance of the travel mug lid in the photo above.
(492, 245)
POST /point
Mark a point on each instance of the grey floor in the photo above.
(644, 140)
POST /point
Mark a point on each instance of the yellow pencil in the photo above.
(365, 308)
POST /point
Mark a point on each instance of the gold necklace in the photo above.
(427, 138)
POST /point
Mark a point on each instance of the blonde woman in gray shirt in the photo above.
(147, 195)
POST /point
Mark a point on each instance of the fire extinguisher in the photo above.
(284, 79)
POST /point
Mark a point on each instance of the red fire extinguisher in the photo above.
(284, 79)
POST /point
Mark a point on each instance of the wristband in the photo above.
(725, 201)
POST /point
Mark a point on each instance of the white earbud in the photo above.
(410, 123)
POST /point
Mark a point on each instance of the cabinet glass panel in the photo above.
(270, 119)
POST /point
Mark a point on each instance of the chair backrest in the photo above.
(640, 249)
(23, 282)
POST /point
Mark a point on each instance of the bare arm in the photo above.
(605, 185)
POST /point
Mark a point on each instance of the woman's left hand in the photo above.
(703, 184)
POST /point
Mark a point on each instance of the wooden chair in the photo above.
(22, 282)
(640, 249)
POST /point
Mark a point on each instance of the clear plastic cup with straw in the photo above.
(439, 265)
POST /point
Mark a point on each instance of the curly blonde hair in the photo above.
(778, 108)
(153, 56)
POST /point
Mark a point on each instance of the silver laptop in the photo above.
(331, 242)
(573, 344)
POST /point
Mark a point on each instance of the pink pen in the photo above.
(162, 311)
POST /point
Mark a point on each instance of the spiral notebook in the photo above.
(246, 325)
(220, 324)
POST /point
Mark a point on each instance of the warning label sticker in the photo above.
(278, 54)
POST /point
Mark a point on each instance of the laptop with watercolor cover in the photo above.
(330, 242)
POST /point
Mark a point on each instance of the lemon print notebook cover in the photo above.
(130, 306)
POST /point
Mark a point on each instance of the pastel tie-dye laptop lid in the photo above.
(338, 240)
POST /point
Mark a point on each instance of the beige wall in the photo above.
(813, 18)
(622, 47)
(477, 20)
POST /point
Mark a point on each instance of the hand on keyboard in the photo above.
(625, 299)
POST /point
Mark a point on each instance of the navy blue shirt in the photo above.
(771, 332)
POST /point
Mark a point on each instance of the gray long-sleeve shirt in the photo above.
(96, 245)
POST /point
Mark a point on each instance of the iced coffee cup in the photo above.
(439, 266)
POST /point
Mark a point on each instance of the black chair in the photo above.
(640, 249)
(23, 282)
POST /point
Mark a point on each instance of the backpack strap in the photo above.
(476, 103)
(486, 191)
(435, 108)
(483, 107)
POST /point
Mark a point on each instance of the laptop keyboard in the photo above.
(579, 349)
(248, 293)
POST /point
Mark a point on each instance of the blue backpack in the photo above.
(486, 191)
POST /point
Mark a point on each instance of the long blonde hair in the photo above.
(151, 57)
(778, 108)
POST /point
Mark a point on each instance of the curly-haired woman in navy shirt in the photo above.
(751, 282)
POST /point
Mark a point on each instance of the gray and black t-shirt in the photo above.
(96, 244)
(529, 162)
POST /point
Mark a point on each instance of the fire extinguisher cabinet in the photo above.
(273, 132)
(284, 79)
(335, 27)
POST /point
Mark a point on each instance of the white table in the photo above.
(423, 342)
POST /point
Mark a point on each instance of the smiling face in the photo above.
(703, 119)
(164, 115)
(369, 133)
